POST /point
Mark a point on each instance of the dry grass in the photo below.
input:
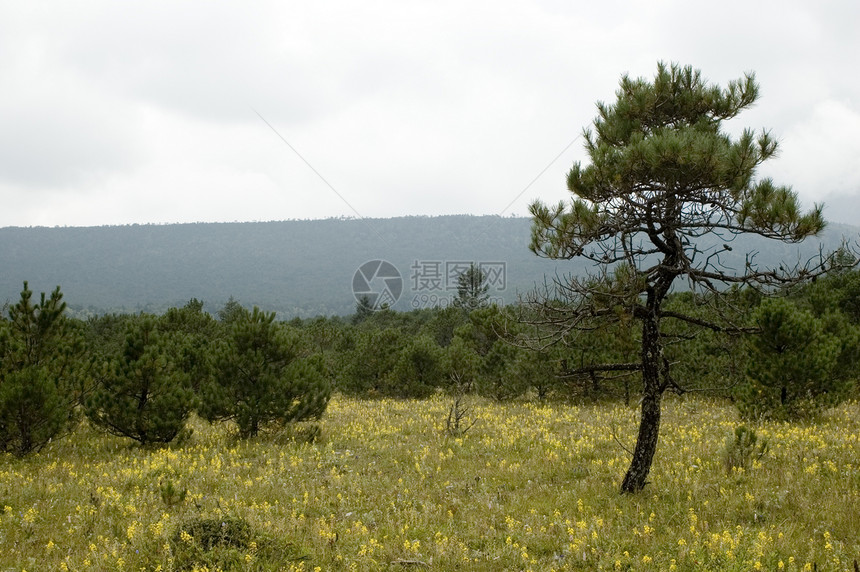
(530, 487)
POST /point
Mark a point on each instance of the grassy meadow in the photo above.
(380, 485)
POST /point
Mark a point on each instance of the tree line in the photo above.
(141, 376)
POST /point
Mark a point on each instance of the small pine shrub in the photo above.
(743, 449)
(790, 365)
(40, 373)
(418, 370)
(171, 494)
(144, 395)
(263, 378)
(211, 544)
(32, 411)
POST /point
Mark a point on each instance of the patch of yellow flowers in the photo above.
(531, 487)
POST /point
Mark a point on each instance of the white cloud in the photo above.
(819, 154)
(115, 112)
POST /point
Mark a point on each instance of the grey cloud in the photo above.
(843, 207)
(52, 141)
(407, 107)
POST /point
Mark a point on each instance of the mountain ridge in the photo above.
(297, 268)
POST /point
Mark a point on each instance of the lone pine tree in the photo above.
(472, 288)
(662, 176)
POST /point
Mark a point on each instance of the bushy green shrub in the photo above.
(499, 372)
(32, 411)
(368, 366)
(261, 377)
(225, 543)
(143, 394)
(41, 372)
(419, 369)
(790, 365)
(208, 533)
(200, 333)
(461, 365)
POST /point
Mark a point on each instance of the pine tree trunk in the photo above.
(646, 443)
(649, 424)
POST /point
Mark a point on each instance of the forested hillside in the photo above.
(297, 268)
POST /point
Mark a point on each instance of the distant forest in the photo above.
(299, 268)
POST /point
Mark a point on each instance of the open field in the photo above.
(529, 487)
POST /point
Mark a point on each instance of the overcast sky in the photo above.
(116, 113)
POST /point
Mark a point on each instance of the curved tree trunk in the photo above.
(646, 443)
(649, 424)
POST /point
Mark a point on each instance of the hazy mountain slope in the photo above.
(295, 267)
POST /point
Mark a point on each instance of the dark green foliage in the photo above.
(219, 543)
(462, 365)
(419, 368)
(845, 372)
(409, 322)
(224, 544)
(32, 411)
(144, 393)
(363, 309)
(262, 376)
(393, 361)
(105, 334)
(789, 365)
(614, 343)
(835, 301)
(211, 532)
(442, 324)
(369, 365)
(329, 339)
(496, 373)
(199, 332)
(482, 329)
(41, 372)
(538, 371)
(708, 360)
(232, 311)
(37, 328)
(743, 449)
(472, 289)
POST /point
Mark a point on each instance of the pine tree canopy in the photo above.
(663, 174)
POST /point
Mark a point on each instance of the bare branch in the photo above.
(634, 366)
